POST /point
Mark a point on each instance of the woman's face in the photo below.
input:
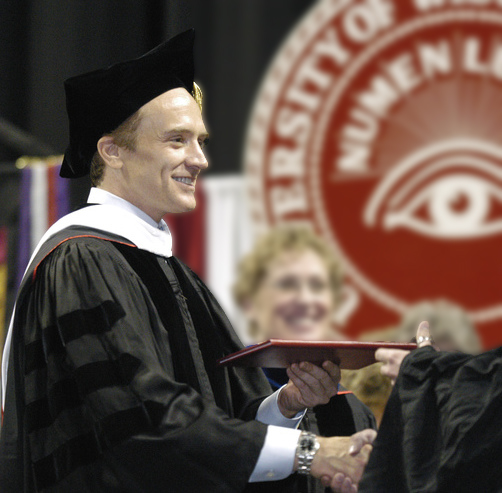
(295, 299)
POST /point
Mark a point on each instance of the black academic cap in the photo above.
(98, 102)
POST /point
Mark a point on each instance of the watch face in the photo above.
(307, 443)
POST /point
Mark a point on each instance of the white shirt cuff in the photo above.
(277, 457)
(270, 414)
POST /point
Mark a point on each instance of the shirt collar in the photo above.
(114, 215)
(100, 196)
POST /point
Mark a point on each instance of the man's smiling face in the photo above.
(159, 175)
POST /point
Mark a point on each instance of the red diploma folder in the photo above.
(276, 353)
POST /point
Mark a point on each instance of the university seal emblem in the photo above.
(379, 125)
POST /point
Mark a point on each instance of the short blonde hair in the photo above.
(124, 136)
(370, 387)
(253, 267)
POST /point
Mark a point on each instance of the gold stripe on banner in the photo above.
(31, 161)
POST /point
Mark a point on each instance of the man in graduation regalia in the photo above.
(109, 378)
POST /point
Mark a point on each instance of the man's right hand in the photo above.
(336, 467)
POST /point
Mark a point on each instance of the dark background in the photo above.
(44, 42)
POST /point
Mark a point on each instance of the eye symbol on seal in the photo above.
(447, 190)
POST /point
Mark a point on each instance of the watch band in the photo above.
(306, 449)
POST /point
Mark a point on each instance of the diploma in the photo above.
(278, 353)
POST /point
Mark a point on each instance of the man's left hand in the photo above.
(392, 358)
(309, 385)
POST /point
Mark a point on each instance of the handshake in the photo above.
(340, 461)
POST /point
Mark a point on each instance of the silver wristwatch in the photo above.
(306, 449)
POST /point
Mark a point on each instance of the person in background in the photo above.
(453, 331)
(109, 382)
(288, 287)
(370, 386)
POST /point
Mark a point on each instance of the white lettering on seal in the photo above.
(402, 75)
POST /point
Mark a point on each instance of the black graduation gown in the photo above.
(343, 415)
(112, 379)
(442, 427)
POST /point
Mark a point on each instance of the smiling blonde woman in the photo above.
(288, 287)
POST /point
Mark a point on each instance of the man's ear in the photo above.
(109, 151)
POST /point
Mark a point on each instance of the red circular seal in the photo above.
(378, 124)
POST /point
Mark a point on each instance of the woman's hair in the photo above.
(253, 267)
(124, 136)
